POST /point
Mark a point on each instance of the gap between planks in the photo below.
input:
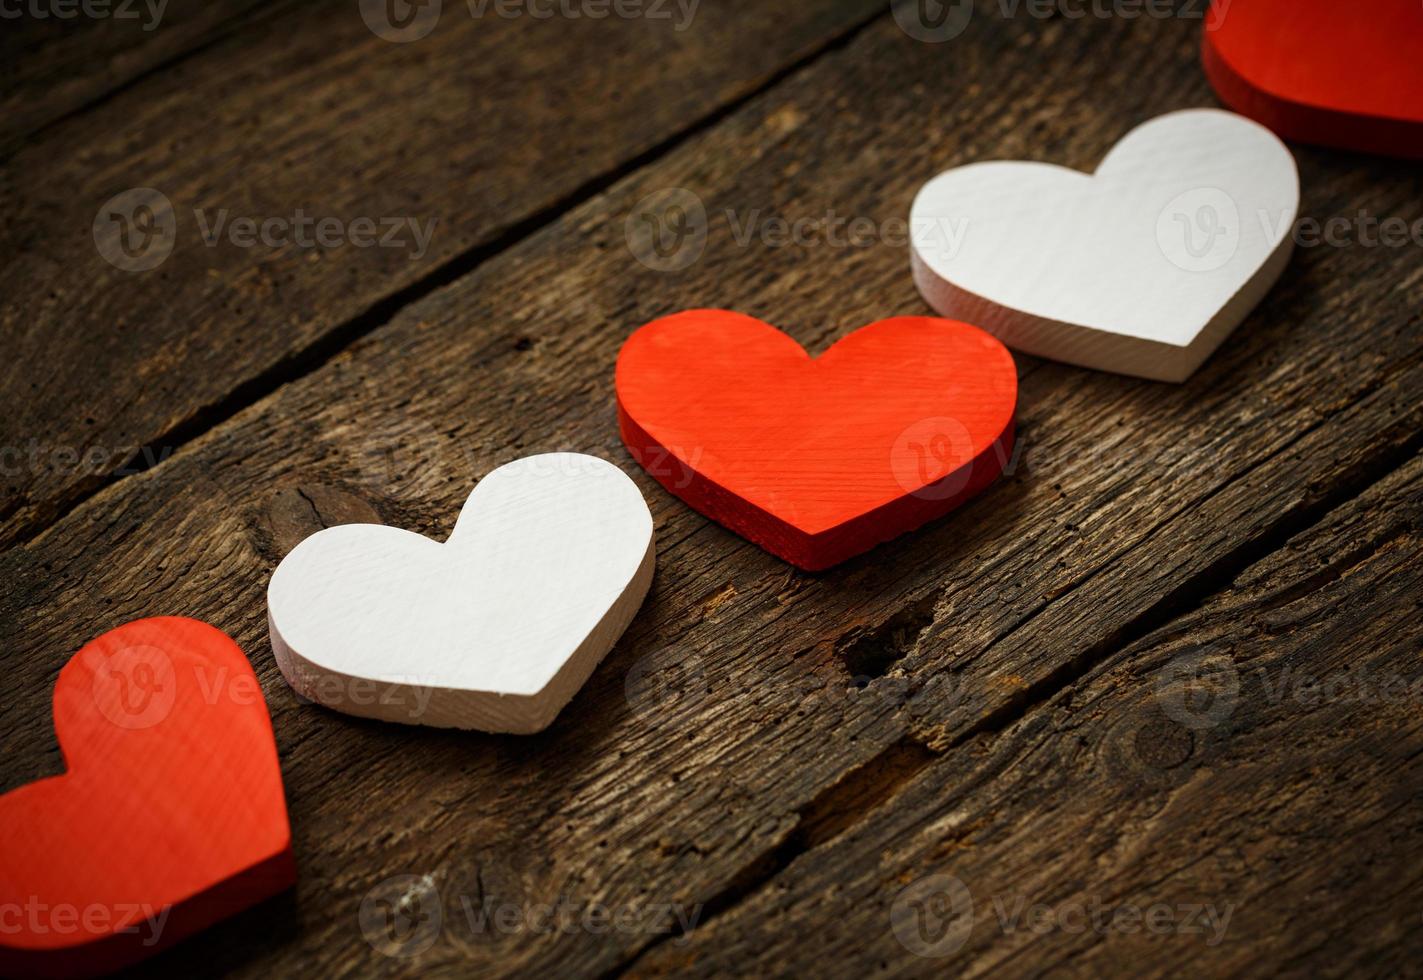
(252, 15)
(339, 338)
(877, 782)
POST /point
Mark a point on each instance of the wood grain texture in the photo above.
(170, 815)
(1142, 267)
(751, 714)
(494, 629)
(1234, 794)
(65, 60)
(817, 459)
(426, 156)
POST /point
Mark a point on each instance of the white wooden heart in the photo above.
(495, 629)
(1142, 268)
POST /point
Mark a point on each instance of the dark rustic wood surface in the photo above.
(488, 127)
(1005, 697)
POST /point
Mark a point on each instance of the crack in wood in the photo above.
(1335, 570)
(1192, 593)
(338, 339)
(874, 784)
(834, 811)
(870, 653)
(258, 13)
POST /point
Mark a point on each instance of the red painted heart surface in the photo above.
(169, 817)
(817, 459)
(1321, 71)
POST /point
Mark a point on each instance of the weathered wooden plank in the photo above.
(1236, 794)
(60, 57)
(769, 747)
(313, 127)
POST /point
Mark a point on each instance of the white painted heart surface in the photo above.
(1142, 268)
(495, 629)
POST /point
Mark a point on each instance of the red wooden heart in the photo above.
(1323, 71)
(818, 459)
(170, 816)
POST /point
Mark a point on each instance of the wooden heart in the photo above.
(170, 815)
(495, 629)
(1320, 71)
(1142, 268)
(817, 459)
